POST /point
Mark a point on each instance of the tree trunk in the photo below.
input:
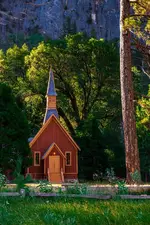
(127, 98)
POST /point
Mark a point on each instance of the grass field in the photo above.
(33, 211)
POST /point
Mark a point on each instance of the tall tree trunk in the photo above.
(127, 97)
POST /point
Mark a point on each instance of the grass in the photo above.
(37, 211)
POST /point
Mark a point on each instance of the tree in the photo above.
(92, 158)
(13, 72)
(97, 153)
(127, 96)
(143, 130)
(86, 74)
(85, 71)
(138, 22)
(12, 64)
(14, 131)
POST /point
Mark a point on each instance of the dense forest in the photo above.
(87, 78)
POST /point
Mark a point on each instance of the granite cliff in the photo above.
(54, 18)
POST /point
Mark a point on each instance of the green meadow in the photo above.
(57, 211)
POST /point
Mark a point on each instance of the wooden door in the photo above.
(54, 169)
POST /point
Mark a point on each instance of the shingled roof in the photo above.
(51, 85)
(50, 92)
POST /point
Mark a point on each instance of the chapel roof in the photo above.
(51, 85)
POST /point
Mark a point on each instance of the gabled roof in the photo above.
(50, 149)
(50, 112)
(53, 117)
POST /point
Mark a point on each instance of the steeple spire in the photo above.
(51, 85)
(51, 98)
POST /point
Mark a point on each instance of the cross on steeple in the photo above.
(51, 98)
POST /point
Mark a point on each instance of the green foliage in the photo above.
(86, 74)
(12, 64)
(143, 130)
(97, 153)
(139, 25)
(83, 71)
(92, 158)
(2, 180)
(20, 180)
(14, 131)
(122, 188)
(5, 215)
(81, 74)
(87, 81)
(45, 187)
(19, 39)
(58, 219)
(77, 189)
(136, 177)
(73, 211)
(110, 175)
(143, 112)
(98, 176)
(139, 21)
(60, 190)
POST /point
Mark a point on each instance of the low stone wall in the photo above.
(112, 189)
(134, 197)
(98, 197)
(95, 189)
(9, 194)
(101, 197)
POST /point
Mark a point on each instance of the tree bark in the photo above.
(127, 97)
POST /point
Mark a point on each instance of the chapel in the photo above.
(54, 152)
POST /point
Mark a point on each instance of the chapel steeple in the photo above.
(51, 98)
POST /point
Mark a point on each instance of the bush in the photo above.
(110, 175)
(122, 189)
(77, 189)
(20, 180)
(45, 187)
(98, 176)
(136, 177)
(2, 181)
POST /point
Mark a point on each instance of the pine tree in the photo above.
(13, 131)
(127, 97)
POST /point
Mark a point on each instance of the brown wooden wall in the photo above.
(51, 134)
(37, 171)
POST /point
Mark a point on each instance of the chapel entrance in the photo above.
(54, 169)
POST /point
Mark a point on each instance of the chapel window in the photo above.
(37, 159)
(68, 158)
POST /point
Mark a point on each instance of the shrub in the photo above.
(136, 177)
(2, 180)
(45, 186)
(98, 176)
(110, 175)
(20, 180)
(122, 189)
(77, 189)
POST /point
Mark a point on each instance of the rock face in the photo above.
(54, 18)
